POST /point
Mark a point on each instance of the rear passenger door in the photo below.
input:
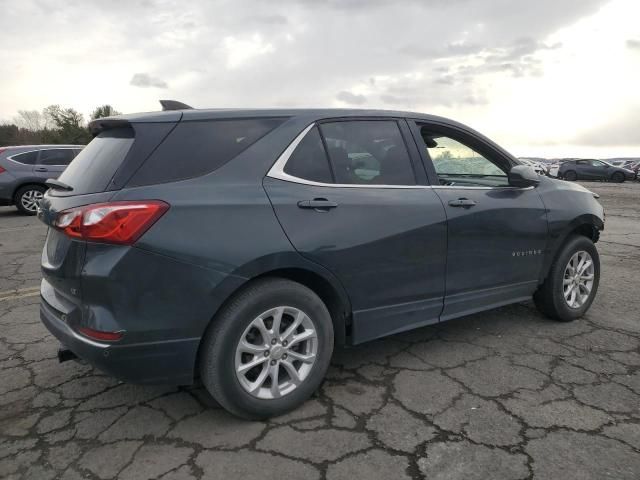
(52, 162)
(347, 196)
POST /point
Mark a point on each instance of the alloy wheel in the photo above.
(29, 200)
(578, 279)
(276, 352)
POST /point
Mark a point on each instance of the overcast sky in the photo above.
(543, 77)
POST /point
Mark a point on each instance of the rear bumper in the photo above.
(168, 362)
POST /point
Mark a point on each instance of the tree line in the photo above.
(54, 124)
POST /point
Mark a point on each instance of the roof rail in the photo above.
(174, 105)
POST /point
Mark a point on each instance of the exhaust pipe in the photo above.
(64, 354)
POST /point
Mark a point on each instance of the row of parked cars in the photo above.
(588, 169)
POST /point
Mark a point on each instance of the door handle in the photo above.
(321, 204)
(462, 202)
(41, 169)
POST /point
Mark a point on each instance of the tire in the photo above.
(219, 352)
(570, 175)
(617, 177)
(25, 198)
(550, 297)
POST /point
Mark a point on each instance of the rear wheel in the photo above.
(572, 283)
(268, 350)
(26, 198)
(617, 177)
(571, 176)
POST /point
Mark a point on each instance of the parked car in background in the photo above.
(632, 164)
(539, 168)
(24, 169)
(593, 170)
(240, 246)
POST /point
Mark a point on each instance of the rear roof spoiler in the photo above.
(107, 123)
(174, 105)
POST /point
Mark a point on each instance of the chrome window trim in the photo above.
(277, 171)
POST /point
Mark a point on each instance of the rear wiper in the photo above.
(57, 185)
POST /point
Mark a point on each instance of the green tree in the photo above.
(68, 123)
(104, 111)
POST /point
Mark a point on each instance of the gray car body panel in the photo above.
(387, 253)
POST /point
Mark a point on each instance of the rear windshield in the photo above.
(96, 164)
(196, 148)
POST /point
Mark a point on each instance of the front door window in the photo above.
(457, 164)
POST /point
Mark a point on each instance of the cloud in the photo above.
(145, 80)
(633, 43)
(268, 19)
(621, 130)
(458, 58)
(351, 98)
(242, 50)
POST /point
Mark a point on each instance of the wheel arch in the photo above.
(617, 174)
(587, 225)
(27, 183)
(309, 274)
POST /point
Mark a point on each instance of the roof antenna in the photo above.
(174, 105)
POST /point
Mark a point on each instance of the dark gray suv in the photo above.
(24, 170)
(594, 170)
(241, 246)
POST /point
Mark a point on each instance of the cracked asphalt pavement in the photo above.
(503, 394)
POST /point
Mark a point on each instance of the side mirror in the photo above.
(523, 176)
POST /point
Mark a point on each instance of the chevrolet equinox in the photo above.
(241, 246)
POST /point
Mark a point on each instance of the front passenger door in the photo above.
(496, 233)
(598, 169)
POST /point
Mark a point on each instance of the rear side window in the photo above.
(93, 168)
(28, 158)
(370, 152)
(196, 148)
(309, 160)
(57, 156)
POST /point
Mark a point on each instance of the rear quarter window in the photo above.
(195, 148)
(27, 158)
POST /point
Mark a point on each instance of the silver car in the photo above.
(25, 169)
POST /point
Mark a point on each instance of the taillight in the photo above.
(2, 170)
(121, 223)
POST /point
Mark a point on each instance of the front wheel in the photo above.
(617, 177)
(572, 283)
(268, 350)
